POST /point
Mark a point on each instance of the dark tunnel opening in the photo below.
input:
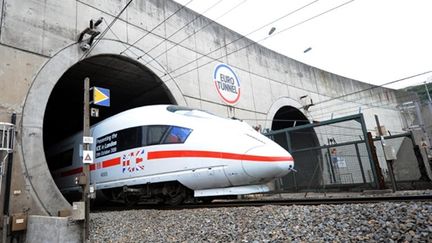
(306, 162)
(131, 85)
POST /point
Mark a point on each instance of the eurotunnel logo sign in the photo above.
(101, 96)
(227, 83)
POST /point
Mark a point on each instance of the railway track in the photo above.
(264, 202)
(317, 201)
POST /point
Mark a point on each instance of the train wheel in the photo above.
(175, 194)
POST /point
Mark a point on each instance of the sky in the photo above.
(373, 41)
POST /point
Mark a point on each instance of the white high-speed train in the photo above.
(170, 153)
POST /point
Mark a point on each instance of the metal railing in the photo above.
(329, 155)
(7, 136)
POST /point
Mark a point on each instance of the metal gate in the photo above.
(340, 160)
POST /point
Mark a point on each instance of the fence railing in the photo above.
(329, 155)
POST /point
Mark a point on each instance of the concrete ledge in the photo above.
(52, 229)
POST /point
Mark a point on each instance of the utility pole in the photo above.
(427, 90)
(429, 103)
(386, 155)
(86, 166)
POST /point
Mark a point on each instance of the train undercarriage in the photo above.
(168, 193)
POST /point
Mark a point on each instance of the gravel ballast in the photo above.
(386, 222)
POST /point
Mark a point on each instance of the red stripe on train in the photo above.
(209, 154)
(71, 172)
(110, 162)
(182, 154)
(103, 164)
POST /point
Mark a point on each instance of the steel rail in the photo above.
(274, 202)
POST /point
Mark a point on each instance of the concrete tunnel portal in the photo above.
(131, 85)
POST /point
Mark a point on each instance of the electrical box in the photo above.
(78, 211)
(390, 152)
(81, 180)
(19, 222)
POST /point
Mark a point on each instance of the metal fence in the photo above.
(330, 155)
(340, 155)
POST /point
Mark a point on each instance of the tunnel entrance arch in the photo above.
(307, 164)
(130, 83)
(53, 106)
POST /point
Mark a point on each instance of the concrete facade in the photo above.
(38, 44)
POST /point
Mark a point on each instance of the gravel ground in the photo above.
(385, 222)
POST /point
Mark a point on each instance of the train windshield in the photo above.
(192, 112)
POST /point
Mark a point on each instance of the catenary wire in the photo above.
(136, 55)
(342, 112)
(323, 101)
(253, 43)
(374, 87)
(197, 31)
(105, 31)
(269, 78)
(190, 49)
(151, 31)
(178, 30)
(371, 95)
(353, 92)
(367, 89)
(242, 37)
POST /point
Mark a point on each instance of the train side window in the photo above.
(155, 134)
(129, 138)
(177, 135)
(119, 141)
(144, 135)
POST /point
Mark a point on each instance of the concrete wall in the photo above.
(38, 44)
(426, 110)
(52, 229)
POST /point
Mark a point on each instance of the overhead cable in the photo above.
(142, 37)
(244, 36)
(377, 86)
(178, 30)
(196, 32)
(86, 54)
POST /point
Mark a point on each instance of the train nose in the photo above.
(267, 162)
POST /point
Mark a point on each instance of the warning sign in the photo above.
(333, 151)
(88, 157)
(424, 144)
